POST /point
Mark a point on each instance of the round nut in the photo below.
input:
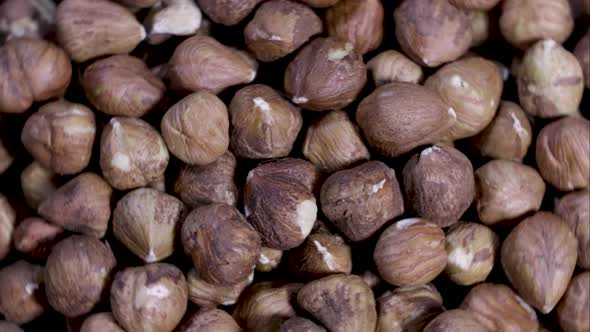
(575, 304)
(359, 22)
(300, 324)
(208, 295)
(173, 18)
(269, 259)
(7, 220)
(21, 299)
(582, 53)
(291, 169)
(100, 322)
(455, 320)
(393, 66)
(321, 255)
(36, 237)
(210, 320)
(38, 183)
(574, 209)
(484, 5)
(227, 12)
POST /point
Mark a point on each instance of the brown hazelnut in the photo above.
(77, 274)
(582, 53)
(573, 308)
(6, 326)
(392, 66)
(320, 3)
(327, 74)
(321, 255)
(137, 3)
(574, 209)
(279, 27)
(439, 184)
(210, 320)
(81, 205)
(196, 129)
(539, 257)
(263, 124)
(208, 295)
(269, 259)
(550, 80)
(26, 19)
(563, 153)
(38, 183)
(371, 279)
(300, 324)
(455, 320)
(150, 298)
(34, 70)
(359, 22)
(483, 5)
(132, 153)
(89, 29)
(480, 26)
(227, 12)
(7, 220)
(291, 169)
(360, 200)
(21, 299)
(398, 117)
(223, 247)
(6, 158)
(100, 322)
(36, 237)
(172, 18)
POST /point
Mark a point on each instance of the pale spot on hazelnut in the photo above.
(452, 113)
(142, 33)
(457, 81)
(300, 100)
(229, 302)
(252, 76)
(340, 53)
(378, 186)
(246, 211)
(532, 88)
(31, 287)
(159, 291)
(517, 126)
(306, 216)
(262, 259)
(429, 150)
(505, 73)
(251, 276)
(461, 258)
(151, 257)
(121, 161)
(262, 105)
(403, 224)
(275, 37)
(326, 255)
(79, 129)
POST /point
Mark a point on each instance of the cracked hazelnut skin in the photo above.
(21, 300)
(360, 22)
(455, 320)
(393, 66)
(77, 274)
(6, 326)
(572, 311)
(150, 298)
(208, 295)
(300, 324)
(280, 27)
(210, 320)
(7, 220)
(484, 5)
(574, 209)
(35, 237)
(539, 256)
(582, 53)
(263, 124)
(269, 259)
(37, 183)
(320, 255)
(227, 12)
(100, 322)
(327, 74)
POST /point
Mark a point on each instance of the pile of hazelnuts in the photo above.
(294, 165)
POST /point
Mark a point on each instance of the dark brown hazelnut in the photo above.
(100, 322)
(484, 5)
(6, 326)
(582, 53)
(573, 309)
(321, 255)
(393, 66)
(38, 183)
(210, 320)
(455, 320)
(480, 26)
(300, 324)
(291, 169)
(6, 158)
(36, 237)
(172, 18)
(574, 209)
(26, 19)
(320, 3)
(21, 293)
(227, 12)
(208, 295)
(269, 259)
(359, 22)
(7, 220)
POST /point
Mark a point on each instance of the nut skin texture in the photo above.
(321, 255)
(89, 29)
(484, 5)
(122, 85)
(582, 53)
(269, 259)
(455, 320)
(37, 183)
(392, 66)
(300, 324)
(100, 322)
(360, 22)
(498, 308)
(563, 153)
(432, 32)
(196, 129)
(439, 183)
(574, 209)
(208, 295)
(33, 70)
(263, 124)
(173, 18)
(341, 302)
(540, 279)
(480, 27)
(572, 311)
(360, 200)
(224, 248)
(6, 159)
(132, 153)
(320, 3)
(60, 136)
(6, 326)
(280, 27)
(227, 12)
(410, 252)
(550, 80)
(77, 273)
(291, 169)
(138, 3)
(150, 298)
(326, 74)
(26, 19)
(7, 220)
(20, 296)
(398, 117)
(36, 237)
(210, 320)
(81, 205)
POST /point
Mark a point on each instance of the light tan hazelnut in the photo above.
(269, 259)
(26, 19)
(6, 326)
(227, 12)
(208, 295)
(320, 255)
(480, 26)
(210, 320)
(172, 18)
(300, 324)
(582, 53)
(35, 237)
(6, 158)
(574, 209)
(573, 309)
(455, 320)
(359, 22)
(7, 220)
(38, 183)
(392, 66)
(100, 322)
(21, 295)
(484, 5)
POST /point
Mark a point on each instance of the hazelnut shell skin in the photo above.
(100, 322)
(320, 3)
(455, 320)
(321, 255)
(210, 320)
(7, 221)
(6, 326)
(269, 259)
(574, 209)
(291, 169)
(227, 12)
(360, 22)
(300, 324)
(21, 295)
(6, 159)
(208, 295)
(393, 66)
(484, 5)
(575, 304)
(480, 26)
(35, 237)
(37, 183)
(582, 53)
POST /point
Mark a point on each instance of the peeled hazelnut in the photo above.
(6, 158)
(132, 153)
(279, 27)
(341, 302)
(359, 22)
(582, 53)
(563, 153)
(498, 308)
(360, 200)
(319, 3)
(483, 5)
(539, 257)
(480, 26)
(327, 74)
(269, 259)
(60, 136)
(439, 184)
(507, 190)
(196, 129)
(393, 66)
(150, 298)
(172, 18)
(208, 295)
(321, 255)
(550, 80)
(455, 320)
(89, 29)
(573, 309)
(100, 322)
(122, 85)
(33, 70)
(223, 247)
(77, 273)
(36, 237)
(7, 220)
(432, 32)
(81, 205)
(202, 63)
(263, 124)
(399, 117)
(291, 169)
(26, 19)
(6, 326)
(227, 12)
(210, 320)
(574, 209)
(300, 324)
(19, 292)
(37, 183)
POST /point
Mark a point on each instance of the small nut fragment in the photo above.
(321, 255)
(574, 209)
(582, 53)
(38, 183)
(100, 322)
(572, 311)
(210, 320)
(484, 5)
(300, 324)
(7, 220)
(359, 22)
(455, 320)
(172, 18)
(6, 326)
(227, 12)
(6, 158)
(269, 259)
(36, 237)
(208, 295)
(480, 26)
(21, 299)
(392, 66)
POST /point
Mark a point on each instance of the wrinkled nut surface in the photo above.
(172, 18)
(210, 320)
(359, 22)
(7, 220)
(393, 66)
(573, 309)
(582, 53)
(21, 296)
(321, 255)
(291, 169)
(480, 26)
(475, 4)
(269, 259)
(36, 237)
(300, 324)
(455, 320)
(227, 12)
(37, 183)
(574, 209)
(6, 159)
(100, 322)
(208, 295)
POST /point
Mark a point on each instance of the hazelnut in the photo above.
(392, 66)
(150, 298)
(455, 320)
(507, 190)
(223, 247)
(172, 18)
(81, 205)
(326, 74)
(582, 53)
(60, 136)
(432, 32)
(321, 255)
(360, 22)
(291, 169)
(279, 27)
(498, 308)
(439, 184)
(36, 237)
(550, 80)
(100, 322)
(6, 158)
(33, 70)
(263, 124)
(269, 259)
(333, 142)
(26, 19)
(122, 85)
(20, 296)
(89, 29)
(573, 308)
(210, 320)
(137, 3)
(411, 252)
(201, 62)
(539, 257)
(7, 220)
(208, 295)
(563, 153)
(6, 326)
(480, 26)
(319, 3)
(77, 273)
(300, 324)
(574, 209)
(398, 117)
(483, 5)
(132, 153)
(360, 200)
(227, 12)
(38, 183)
(371, 279)
(523, 22)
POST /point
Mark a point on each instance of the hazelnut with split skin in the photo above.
(208, 295)
(269, 259)
(484, 5)
(359, 22)
(582, 53)
(227, 12)
(392, 66)
(574, 209)
(100, 322)
(21, 295)
(6, 326)
(35, 237)
(172, 18)
(38, 183)
(300, 324)
(26, 19)
(6, 159)
(455, 320)
(321, 255)
(572, 312)
(210, 320)
(7, 220)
